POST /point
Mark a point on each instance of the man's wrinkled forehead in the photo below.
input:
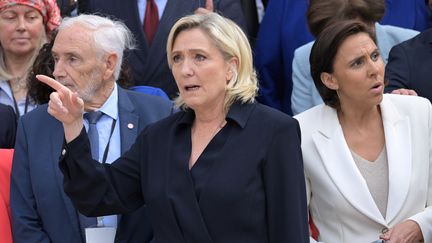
(75, 38)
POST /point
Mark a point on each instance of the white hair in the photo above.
(110, 36)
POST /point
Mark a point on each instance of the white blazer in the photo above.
(338, 196)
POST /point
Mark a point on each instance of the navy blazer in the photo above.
(7, 126)
(41, 211)
(149, 63)
(247, 185)
(409, 65)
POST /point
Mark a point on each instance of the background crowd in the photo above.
(123, 93)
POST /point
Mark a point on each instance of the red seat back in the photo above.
(5, 170)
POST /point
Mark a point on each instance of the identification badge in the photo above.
(100, 235)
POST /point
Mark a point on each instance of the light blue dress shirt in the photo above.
(6, 97)
(142, 5)
(104, 127)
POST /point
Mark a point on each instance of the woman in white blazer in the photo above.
(367, 156)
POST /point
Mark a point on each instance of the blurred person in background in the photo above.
(25, 26)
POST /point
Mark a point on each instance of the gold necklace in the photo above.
(17, 85)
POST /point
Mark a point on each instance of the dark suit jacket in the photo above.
(149, 63)
(66, 7)
(251, 17)
(41, 211)
(7, 126)
(247, 185)
(409, 65)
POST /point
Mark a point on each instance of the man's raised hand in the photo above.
(65, 106)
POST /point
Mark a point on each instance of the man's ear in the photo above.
(110, 65)
(328, 80)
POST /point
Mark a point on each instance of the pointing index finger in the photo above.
(50, 82)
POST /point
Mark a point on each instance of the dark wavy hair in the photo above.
(43, 64)
(324, 51)
(322, 13)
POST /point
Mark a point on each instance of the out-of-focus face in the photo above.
(200, 70)
(22, 30)
(77, 63)
(358, 72)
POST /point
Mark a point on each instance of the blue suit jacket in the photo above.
(305, 95)
(41, 211)
(149, 63)
(416, 14)
(282, 30)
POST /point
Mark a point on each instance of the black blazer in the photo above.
(247, 185)
(409, 65)
(7, 126)
(149, 63)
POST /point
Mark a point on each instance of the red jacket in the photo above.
(5, 169)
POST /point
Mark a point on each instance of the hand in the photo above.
(208, 8)
(65, 106)
(406, 232)
(404, 92)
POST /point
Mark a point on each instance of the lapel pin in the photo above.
(130, 125)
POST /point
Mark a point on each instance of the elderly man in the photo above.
(88, 52)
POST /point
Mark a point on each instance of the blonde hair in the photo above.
(232, 43)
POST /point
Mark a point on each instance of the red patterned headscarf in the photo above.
(48, 9)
